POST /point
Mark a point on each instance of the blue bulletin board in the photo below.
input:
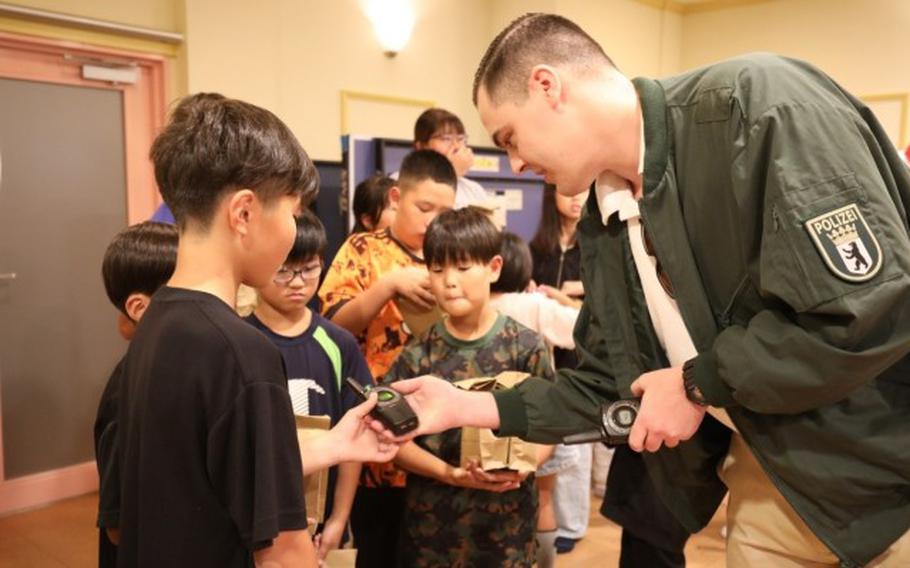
(328, 205)
(521, 195)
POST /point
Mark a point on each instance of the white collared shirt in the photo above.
(614, 195)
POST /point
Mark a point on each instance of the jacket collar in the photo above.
(613, 194)
(654, 114)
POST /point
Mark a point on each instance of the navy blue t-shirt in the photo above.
(317, 362)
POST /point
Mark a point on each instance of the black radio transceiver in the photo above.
(392, 409)
(616, 423)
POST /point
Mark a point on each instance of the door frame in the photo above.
(60, 62)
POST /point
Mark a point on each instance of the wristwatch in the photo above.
(693, 393)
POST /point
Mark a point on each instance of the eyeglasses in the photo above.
(286, 275)
(661, 274)
(452, 139)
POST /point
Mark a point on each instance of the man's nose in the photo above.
(518, 165)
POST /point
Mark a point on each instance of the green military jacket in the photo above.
(778, 208)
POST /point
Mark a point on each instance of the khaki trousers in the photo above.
(764, 530)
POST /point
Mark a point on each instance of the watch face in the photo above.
(619, 416)
(624, 417)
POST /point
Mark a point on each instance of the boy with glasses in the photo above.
(318, 355)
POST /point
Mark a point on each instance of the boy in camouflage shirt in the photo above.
(458, 516)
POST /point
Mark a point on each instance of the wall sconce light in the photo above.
(393, 22)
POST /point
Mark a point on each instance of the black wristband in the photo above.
(693, 393)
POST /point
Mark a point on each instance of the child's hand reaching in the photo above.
(357, 437)
(329, 539)
(496, 481)
(413, 283)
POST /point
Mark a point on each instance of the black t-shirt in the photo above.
(108, 461)
(211, 468)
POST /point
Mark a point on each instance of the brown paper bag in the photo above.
(340, 558)
(415, 318)
(491, 451)
(315, 485)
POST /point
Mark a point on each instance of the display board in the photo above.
(520, 195)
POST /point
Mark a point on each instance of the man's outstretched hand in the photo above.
(439, 406)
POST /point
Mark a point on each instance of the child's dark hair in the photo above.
(516, 265)
(140, 259)
(421, 165)
(546, 239)
(461, 235)
(435, 120)
(213, 144)
(310, 240)
(371, 197)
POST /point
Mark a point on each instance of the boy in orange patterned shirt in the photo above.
(369, 272)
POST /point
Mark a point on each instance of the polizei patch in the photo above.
(846, 243)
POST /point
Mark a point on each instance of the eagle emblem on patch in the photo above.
(846, 243)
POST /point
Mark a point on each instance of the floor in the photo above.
(63, 535)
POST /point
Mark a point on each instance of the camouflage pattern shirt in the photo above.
(452, 526)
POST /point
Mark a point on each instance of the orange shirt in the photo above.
(360, 262)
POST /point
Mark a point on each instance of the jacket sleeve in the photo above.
(542, 411)
(823, 330)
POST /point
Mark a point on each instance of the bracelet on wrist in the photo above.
(693, 392)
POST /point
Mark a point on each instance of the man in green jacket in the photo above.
(746, 262)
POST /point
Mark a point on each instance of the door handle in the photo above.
(7, 275)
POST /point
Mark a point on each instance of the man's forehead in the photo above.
(491, 115)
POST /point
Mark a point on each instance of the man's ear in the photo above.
(495, 268)
(136, 304)
(545, 80)
(240, 209)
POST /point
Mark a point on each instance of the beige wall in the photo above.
(641, 39)
(163, 15)
(296, 56)
(156, 14)
(863, 44)
(295, 60)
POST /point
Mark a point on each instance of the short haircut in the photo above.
(530, 40)
(310, 239)
(516, 265)
(371, 197)
(435, 120)
(139, 260)
(213, 145)
(421, 165)
(461, 235)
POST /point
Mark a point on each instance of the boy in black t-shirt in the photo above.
(211, 470)
(318, 355)
(139, 260)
